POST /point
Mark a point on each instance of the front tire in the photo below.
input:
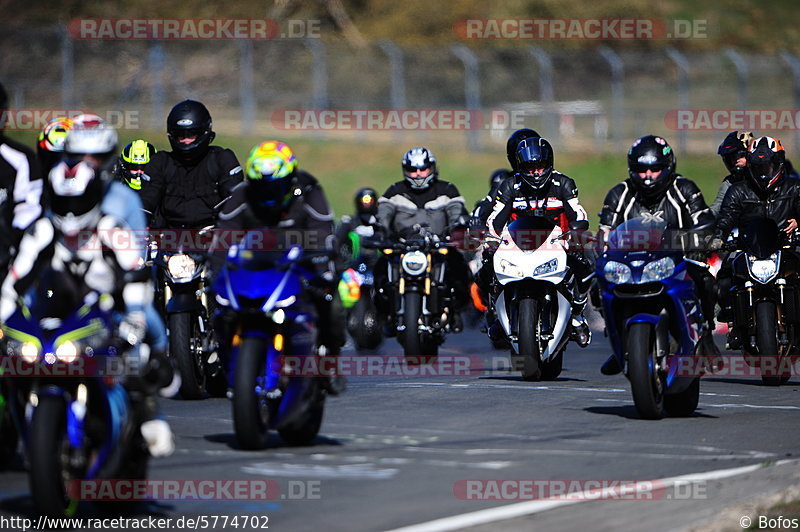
(48, 444)
(646, 385)
(552, 367)
(528, 340)
(182, 327)
(8, 437)
(769, 358)
(412, 343)
(250, 412)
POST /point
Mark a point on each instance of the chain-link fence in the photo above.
(597, 99)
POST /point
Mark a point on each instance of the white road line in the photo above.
(511, 511)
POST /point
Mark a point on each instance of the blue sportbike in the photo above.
(273, 367)
(63, 369)
(653, 317)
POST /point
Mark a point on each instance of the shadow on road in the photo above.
(274, 442)
(629, 412)
(518, 378)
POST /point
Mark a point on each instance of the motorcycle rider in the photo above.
(188, 183)
(57, 248)
(277, 196)
(133, 160)
(422, 198)
(21, 188)
(537, 188)
(733, 151)
(655, 191)
(767, 192)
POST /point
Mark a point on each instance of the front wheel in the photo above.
(412, 343)
(769, 358)
(49, 456)
(182, 335)
(528, 340)
(646, 385)
(250, 409)
(8, 435)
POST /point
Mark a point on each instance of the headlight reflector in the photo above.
(616, 272)
(181, 267)
(658, 270)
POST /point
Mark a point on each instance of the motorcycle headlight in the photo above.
(764, 270)
(548, 267)
(181, 267)
(414, 262)
(67, 352)
(512, 270)
(658, 270)
(29, 352)
(616, 272)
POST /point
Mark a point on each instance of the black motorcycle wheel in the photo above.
(684, 403)
(412, 343)
(365, 325)
(304, 431)
(646, 385)
(528, 340)
(769, 359)
(49, 479)
(8, 438)
(250, 412)
(551, 368)
(182, 331)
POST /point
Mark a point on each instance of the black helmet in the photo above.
(514, 140)
(733, 148)
(419, 159)
(535, 154)
(497, 177)
(766, 162)
(366, 201)
(654, 154)
(189, 119)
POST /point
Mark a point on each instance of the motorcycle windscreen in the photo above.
(761, 238)
(256, 273)
(529, 233)
(637, 234)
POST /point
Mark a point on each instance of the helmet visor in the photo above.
(641, 168)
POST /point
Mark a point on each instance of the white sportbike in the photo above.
(534, 298)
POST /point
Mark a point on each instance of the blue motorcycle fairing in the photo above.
(676, 296)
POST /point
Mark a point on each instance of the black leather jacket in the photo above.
(681, 207)
(743, 203)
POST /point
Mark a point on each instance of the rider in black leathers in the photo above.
(656, 192)
(766, 193)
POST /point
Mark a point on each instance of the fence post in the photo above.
(247, 99)
(397, 82)
(156, 60)
(682, 65)
(472, 90)
(794, 65)
(741, 75)
(546, 94)
(319, 73)
(67, 69)
(617, 93)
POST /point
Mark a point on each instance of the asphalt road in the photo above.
(396, 451)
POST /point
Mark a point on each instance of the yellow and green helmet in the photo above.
(133, 159)
(54, 134)
(270, 172)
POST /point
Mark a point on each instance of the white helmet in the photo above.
(90, 135)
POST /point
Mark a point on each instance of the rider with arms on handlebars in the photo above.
(536, 188)
(655, 191)
(422, 199)
(766, 193)
(290, 203)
